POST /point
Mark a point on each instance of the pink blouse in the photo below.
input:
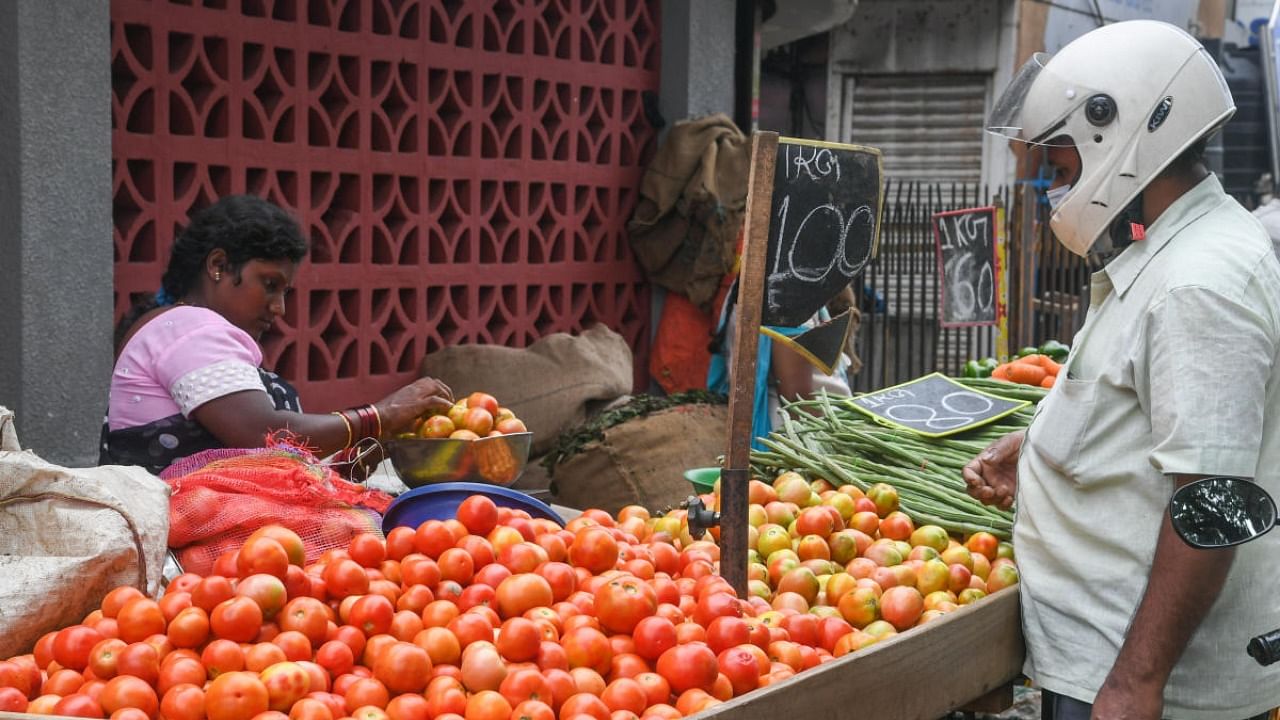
(179, 360)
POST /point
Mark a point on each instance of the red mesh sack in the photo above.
(221, 496)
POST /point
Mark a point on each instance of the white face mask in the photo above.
(1056, 195)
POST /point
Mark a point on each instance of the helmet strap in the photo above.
(1120, 234)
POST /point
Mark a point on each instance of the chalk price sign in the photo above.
(823, 225)
(935, 406)
(966, 247)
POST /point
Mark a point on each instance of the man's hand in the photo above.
(1119, 701)
(992, 477)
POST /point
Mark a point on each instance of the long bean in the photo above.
(826, 437)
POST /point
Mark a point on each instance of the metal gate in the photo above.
(900, 337)
(463, 168)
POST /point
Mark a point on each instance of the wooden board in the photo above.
(921, 674)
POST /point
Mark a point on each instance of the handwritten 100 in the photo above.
(817, 164)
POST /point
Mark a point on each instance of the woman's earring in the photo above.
(217, 277)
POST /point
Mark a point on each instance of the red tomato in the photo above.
(714, 605)
(236, 696)
(471, 627)
(587, 647)
(368, 549)
(487, 704)
(372, 614)
(526, 684)
(403, 668)
(210, 591)
(179, 672)
(594, 549)
(268, 591)
(656, 688)
(13, 700)
(139, 660)
(740, 666)
(478, 513)
(345, 577)
(222, 656)
(584, 704)
(78, 705)
(237, 619)
(103, 659)
(518, 641)
(71, 646)
(491, 575)
(189, 628)
(262, 555)
(306, 615)
(689, 666)
(521, 593)
(625, 694)
(725, 632)
(624, 601)
(128, 691)
(288, 539)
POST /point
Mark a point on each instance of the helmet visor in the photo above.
(1035, 106)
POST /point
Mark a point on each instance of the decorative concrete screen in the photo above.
(464, 169)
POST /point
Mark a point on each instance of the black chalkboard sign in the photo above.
(824, 221)
(965, 241)
(935, 406)
(823, 345)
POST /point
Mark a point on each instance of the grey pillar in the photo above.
(55, 223)
(697, 58)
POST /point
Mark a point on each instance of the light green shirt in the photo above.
(1174, 372)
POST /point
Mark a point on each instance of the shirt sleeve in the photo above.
(1210, 357)
(209, 362)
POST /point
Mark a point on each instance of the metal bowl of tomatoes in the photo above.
(496, 460)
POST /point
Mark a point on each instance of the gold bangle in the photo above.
(350, 432)
(377, 417)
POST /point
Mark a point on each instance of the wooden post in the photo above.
(734, 502)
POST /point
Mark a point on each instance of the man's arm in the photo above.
(1183, 585)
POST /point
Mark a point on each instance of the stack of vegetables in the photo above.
(986, 367)
(846, 447)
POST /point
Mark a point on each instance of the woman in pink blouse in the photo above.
(188, 373)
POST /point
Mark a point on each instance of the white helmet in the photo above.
(1132, 96)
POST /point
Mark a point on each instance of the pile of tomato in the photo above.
(488, 616)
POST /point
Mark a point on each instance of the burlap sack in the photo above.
(642, 461)
(550, 385)
(68, 536)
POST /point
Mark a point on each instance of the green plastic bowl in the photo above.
(703, 479)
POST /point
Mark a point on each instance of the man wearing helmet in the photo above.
(1172, 377)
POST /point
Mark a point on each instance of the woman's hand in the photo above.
(399, 409)
(992, 477)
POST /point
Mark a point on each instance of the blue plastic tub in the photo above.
(441, 500)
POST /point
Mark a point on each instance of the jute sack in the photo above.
(70, 535)
(642, 461)
(551, 385)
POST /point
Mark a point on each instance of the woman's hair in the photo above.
(245, 227)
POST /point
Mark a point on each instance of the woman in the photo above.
(187, 376)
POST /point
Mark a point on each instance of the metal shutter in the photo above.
(929, 127)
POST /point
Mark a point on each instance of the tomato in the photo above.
(368, 549)
(113, 601)
(457, 565)
(236, 696)
(491, 575)
(584, 704)
(518, 640)
(211, 591)
(312, 709)
(624, 601)
(403, 668)
(139, 660)
(551, 655)
(262, 655)
(189, 628)
(180, 672)
(128, 691)
(262, 555)
(478, 513)
(441, 645)
(336, 703)
(408, 707)
(476, 595)
(445, 695)
(432, 538)
(171, 604)
(470, 628)
(307, 616)
(714, 605)
(688, 666)
(286, 683)
(526, 684)
(13, 700)
(740, 666)
(293, 546)
(103, 659)
(482, 667)
(268, 591)
(656, 688)
(487, 704)
(594, 549)
(366, 691)
(72, 645)
(237, 619)
(725, 632)
(587, 647)
(625, 694)
(345, 577)
(222, 656)
(371, 614)
(901, 606)
(521, 593)
(78, 705)
(420, 570)
(533, 710)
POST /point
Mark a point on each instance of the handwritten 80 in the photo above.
(964, 406)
